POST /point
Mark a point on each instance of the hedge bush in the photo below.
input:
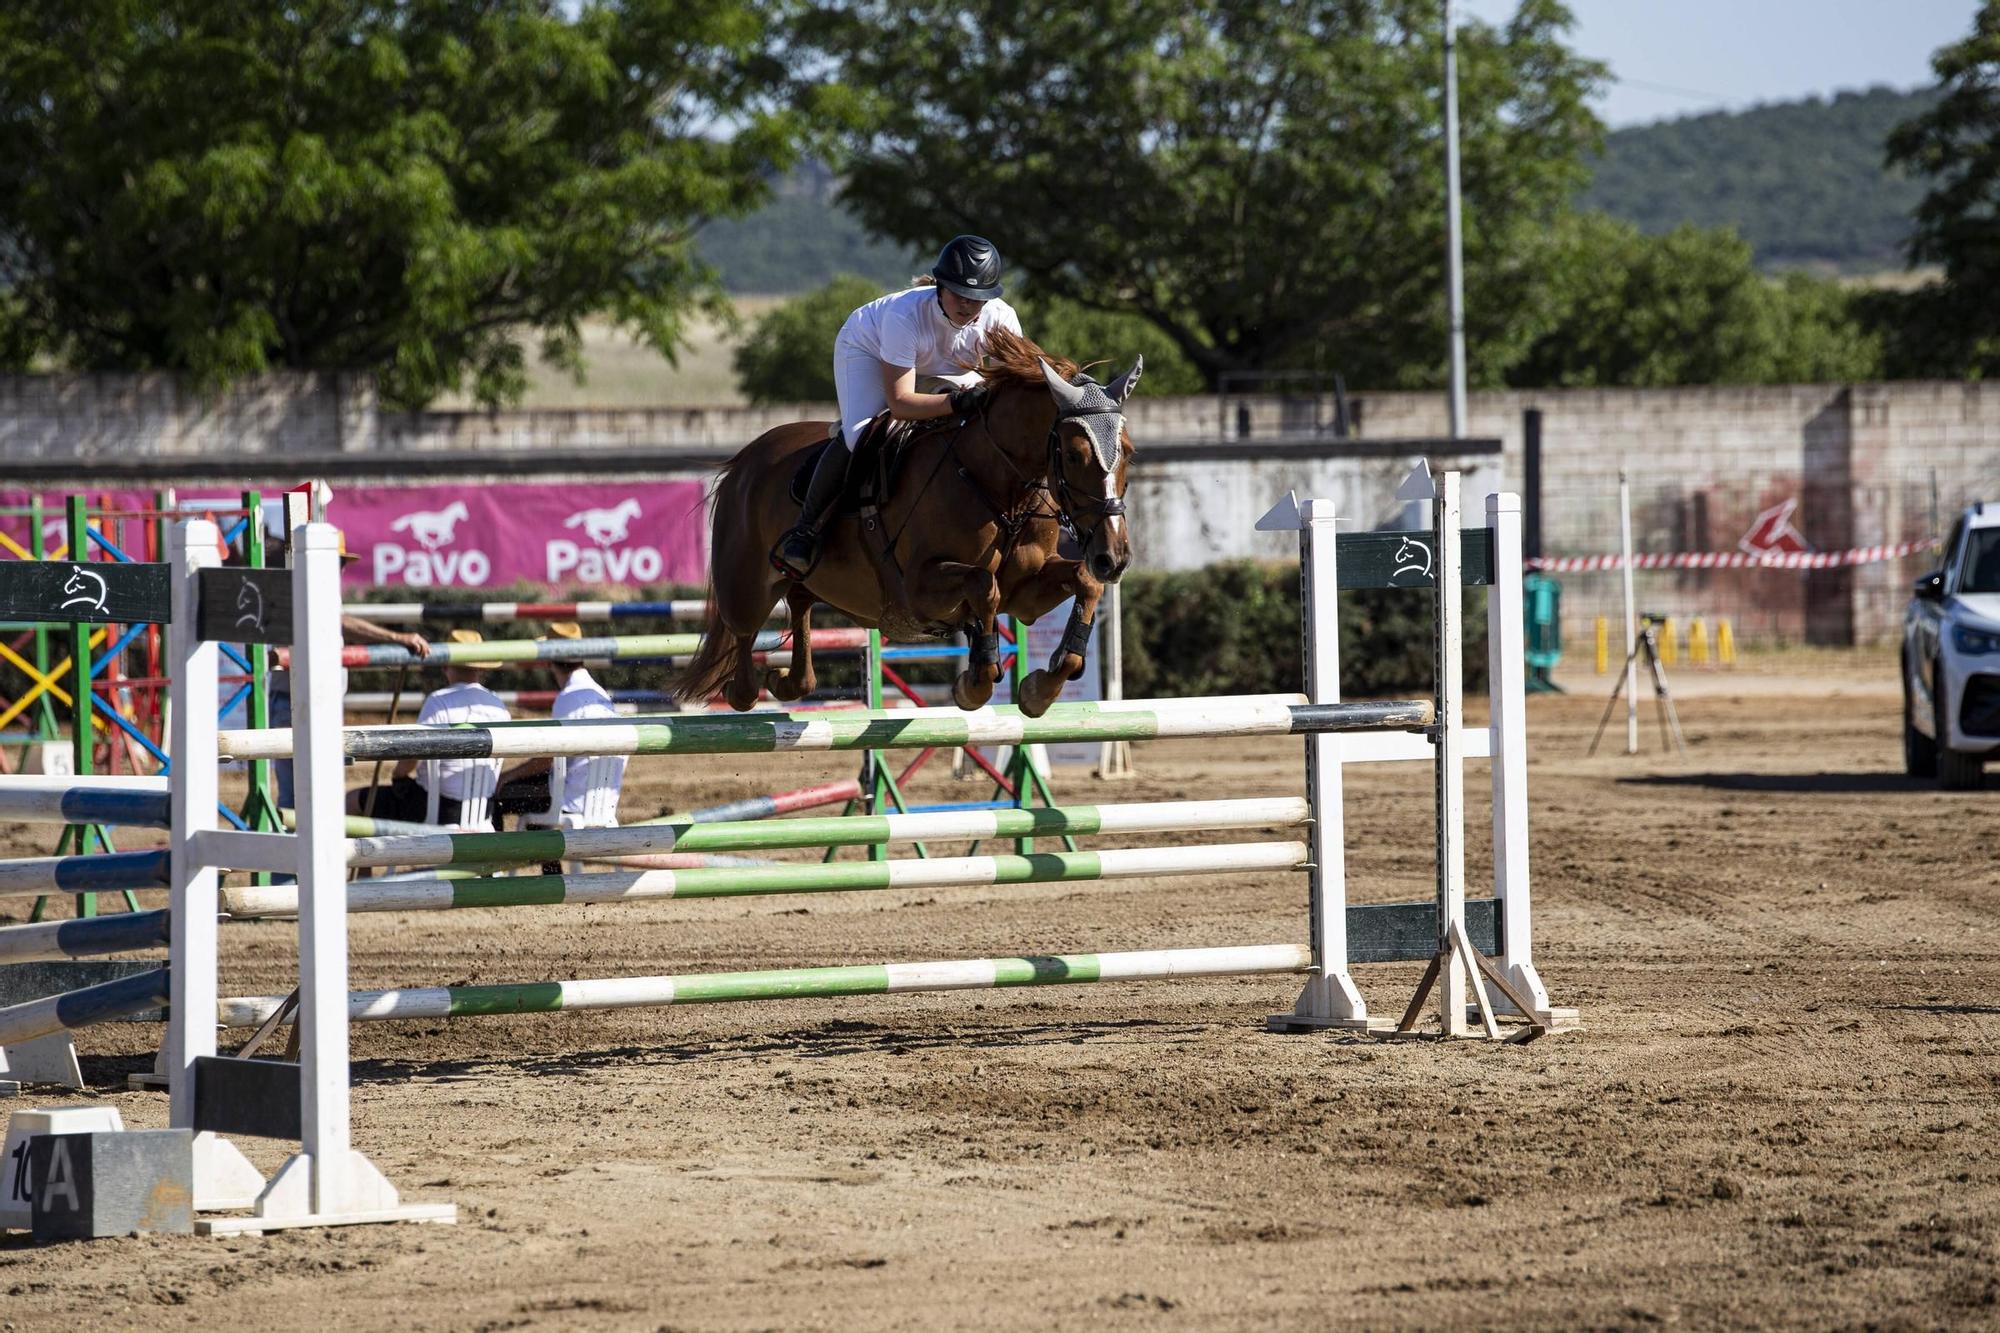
(1233, 628)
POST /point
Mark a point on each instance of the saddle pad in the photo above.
(877, 458)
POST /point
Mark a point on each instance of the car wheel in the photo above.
(1960, 772)
(1920, 755)
(1956, 771)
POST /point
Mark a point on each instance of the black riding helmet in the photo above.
(969, 266)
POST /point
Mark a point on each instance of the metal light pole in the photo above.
(1455, 259)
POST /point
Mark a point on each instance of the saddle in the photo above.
(878, 461)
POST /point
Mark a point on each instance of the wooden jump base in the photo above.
(794, 983)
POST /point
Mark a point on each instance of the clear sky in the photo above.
(1679, 57)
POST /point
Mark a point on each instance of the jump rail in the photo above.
(862, 729)
(795, 983)
(420, 895)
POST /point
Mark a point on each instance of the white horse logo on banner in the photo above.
(606, 527)
(432, 528)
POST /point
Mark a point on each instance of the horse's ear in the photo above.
(1121, 388)
(1067, 395)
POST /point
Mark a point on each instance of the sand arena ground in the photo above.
(1780, 1111)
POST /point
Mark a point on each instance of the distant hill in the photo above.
(1802, 181)
(801, 239)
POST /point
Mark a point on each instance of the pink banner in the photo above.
(558, 536)
(490, 536)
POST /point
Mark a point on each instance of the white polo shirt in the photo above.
(908, 328)
(469, 703)
(582, 697)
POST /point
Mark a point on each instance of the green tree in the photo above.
(1260, 179)
(1956, 145)
(787, 355)
(1622, 308)
(406, 186)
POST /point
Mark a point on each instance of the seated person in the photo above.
(524, 788)
(463, 699)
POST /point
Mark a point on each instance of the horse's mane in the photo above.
(1011, 359)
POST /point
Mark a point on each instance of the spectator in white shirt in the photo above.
(463, 699)
(524, 789)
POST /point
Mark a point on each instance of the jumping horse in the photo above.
(973, 523)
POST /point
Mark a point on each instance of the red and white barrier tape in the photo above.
(1860, 555)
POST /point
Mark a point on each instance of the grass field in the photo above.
(622, 373)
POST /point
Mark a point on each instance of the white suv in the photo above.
(1951, 657)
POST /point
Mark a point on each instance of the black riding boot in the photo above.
(798, 550)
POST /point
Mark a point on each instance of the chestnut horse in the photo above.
(971, 529)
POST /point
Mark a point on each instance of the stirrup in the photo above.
(785, 567)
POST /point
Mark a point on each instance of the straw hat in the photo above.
(563, 629)
(470, 636)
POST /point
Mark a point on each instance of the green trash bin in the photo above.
(1542, 609)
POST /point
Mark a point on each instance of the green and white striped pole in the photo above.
(799, 983)
(441, 894)
(912, 729)
(433, 848)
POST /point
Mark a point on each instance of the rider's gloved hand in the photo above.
(968, 400)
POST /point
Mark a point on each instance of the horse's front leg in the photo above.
(1044, 685)
(972, 594)
(797, 680)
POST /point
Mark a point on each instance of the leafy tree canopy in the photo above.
(1622, 308)
(402, 186)
(1956, 146)
(787, 355)
(1262, 180)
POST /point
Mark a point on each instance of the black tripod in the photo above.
(1648, 643)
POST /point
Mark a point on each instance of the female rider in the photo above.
(935, 329)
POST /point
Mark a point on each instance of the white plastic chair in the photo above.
(604, 777)
(475, 808)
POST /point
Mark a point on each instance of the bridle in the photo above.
(1062, 502)
(1106, 507)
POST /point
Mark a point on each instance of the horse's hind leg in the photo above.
(744, 611)
(797, 681)
(744, 686)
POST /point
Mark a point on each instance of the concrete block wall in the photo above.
(1863, 460)
(87, 416)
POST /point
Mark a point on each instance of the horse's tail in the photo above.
(714, 660)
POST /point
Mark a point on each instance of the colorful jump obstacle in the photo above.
(110, 710)
(327, 1183)
(506, 613)
(618, 648)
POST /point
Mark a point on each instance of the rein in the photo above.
(1062, 503)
